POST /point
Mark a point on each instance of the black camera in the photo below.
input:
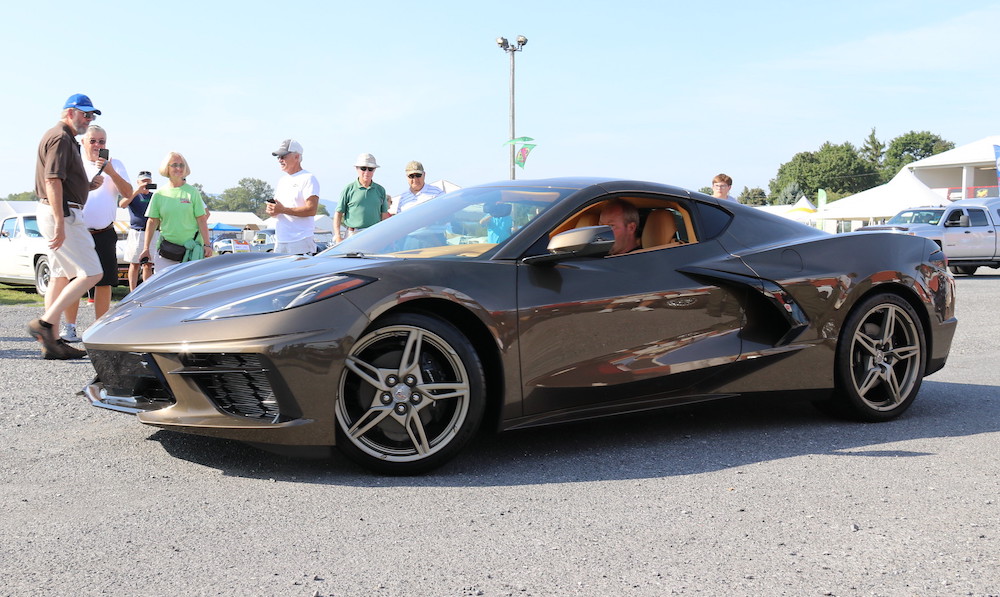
(151, 186)
(270, 200)
(103, 153)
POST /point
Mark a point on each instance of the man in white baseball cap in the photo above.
(296, 199)
(363, 202)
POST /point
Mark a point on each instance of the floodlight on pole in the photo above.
(510, 48)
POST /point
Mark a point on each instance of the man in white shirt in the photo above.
(418, 192)
(296, 198)
(99, 215)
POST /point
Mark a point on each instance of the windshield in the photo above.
(464, 224)
(917, 216)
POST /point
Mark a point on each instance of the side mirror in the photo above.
(589, 241)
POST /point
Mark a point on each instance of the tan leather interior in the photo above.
(660, 229)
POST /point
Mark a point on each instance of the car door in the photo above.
(598, 330)
(14, 260)
(977, 240)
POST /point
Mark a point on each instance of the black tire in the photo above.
(411, 396)
(880, 359)
(965, 270)
(43, 275)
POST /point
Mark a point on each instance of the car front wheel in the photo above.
(880, 359)
(411, 396)
(42, 275)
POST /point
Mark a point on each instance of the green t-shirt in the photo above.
(178, 209)
(362, 207)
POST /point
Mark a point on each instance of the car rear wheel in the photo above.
(880, 359)
(411, 396)
(43, 275)
(965, 270)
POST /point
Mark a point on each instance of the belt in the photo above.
(100, 230)
(44, 201)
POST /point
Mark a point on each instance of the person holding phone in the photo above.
(294, 204)
(99, 215)
(137, 205)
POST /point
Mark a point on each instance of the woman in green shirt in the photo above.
(179, 213)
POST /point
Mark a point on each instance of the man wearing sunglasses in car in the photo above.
(363, 202)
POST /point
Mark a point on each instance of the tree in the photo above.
(706, 191)
(249, 195)
(204, 196)
(754, 196)
(836, 168)
(873, 151)
(25, 196)
(911, 147)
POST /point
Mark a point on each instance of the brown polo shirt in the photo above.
(59, 157)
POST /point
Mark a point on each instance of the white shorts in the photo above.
(77, 256)
(306, 246)
(133, 245)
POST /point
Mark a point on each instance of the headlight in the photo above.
(287, 297)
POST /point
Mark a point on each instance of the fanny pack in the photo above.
(172, 251)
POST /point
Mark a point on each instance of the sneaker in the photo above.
(69, 333)
(62, 352)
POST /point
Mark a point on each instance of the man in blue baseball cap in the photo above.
(62, 185)
(79, 101)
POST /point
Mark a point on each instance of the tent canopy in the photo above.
(904, 191)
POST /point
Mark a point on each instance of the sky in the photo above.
(665, 91)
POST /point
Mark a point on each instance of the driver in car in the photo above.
(623, 218)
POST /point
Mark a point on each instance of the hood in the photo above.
(209, 282)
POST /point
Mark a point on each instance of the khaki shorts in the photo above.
(133, 245)
(77, 256)
(306, 246)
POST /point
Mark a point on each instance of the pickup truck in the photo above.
(966, 230)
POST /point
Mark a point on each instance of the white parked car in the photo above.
(24, 253)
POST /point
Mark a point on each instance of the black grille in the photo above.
(129, 374)
(237, 383)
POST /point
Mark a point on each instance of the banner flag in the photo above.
(519, 140)
(522, 155)
(996, 152)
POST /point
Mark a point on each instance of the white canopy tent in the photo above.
(903, 191)
(800, 211)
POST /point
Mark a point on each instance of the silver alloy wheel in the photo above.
(404, 395)
(886, 357)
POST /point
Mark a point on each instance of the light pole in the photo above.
(510, 49)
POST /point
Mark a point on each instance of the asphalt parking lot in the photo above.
(729, 498)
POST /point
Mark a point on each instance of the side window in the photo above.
(977, 217)
(31, 228)
(8, 228)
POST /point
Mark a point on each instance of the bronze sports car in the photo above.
(499, 307)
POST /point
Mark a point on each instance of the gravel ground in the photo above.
(771, 498)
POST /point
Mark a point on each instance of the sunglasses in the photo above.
(177, 165)
(87, 115)
(98, 141)
(415, 175)
(366, 168)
